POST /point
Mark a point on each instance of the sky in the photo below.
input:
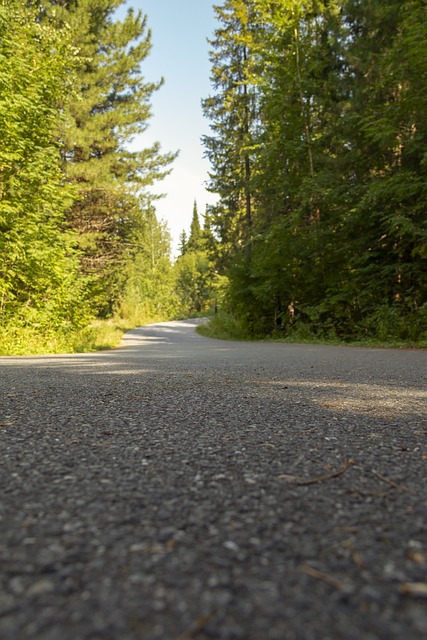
(179, 54)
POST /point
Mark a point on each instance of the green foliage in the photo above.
(40, 286)
(110, 105)
(98, 336)
(193, 282)
(74, 237)
(336, 145)
(16, 340)
(194, 241)
(223, 326)
(232, 114)
(148, 289)
(391, 323)
(198, 285)
(182, 242)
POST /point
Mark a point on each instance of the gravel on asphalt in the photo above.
(184, 488)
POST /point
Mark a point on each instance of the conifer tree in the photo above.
(232, 114)
(337, 164)
(387, 132)
(111, 106)
(194, 269)
(210, 242)
(195, 239)
(183, 240)
(301, 99)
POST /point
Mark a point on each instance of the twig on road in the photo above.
(319, 575)
(355, 555)
(327, 476)
(394, 484)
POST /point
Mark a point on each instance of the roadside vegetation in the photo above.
(317, 152)
(319, 131)
(225, 326)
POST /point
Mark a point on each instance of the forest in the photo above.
(318, 155)
(318, 152)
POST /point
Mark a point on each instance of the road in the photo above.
(184, 488)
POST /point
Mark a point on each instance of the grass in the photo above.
(28, 341)
(100, 335)
(223, 326)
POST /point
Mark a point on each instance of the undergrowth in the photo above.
(98, 335)
(29, 341)
(107, 334)
(225, 326)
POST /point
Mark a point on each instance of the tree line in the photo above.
(318, 155)
(78, 233)
(317, 152)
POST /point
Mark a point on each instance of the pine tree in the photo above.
(111, 106)
(195, 238)
(232, 114)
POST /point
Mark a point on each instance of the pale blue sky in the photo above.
(180, 55)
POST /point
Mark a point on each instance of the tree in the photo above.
(336, 149)
(193, 282)
(195, 237)
(39, 285)
(194, 269)
(147, 290)
(387, 138)
(232, 114)
(297, 175)
(183, 242)
(111, 106)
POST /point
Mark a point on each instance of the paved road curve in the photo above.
(184, 488)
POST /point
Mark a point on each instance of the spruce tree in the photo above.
(195, 238)
(182, 242)
(387, 132)
(232, 114)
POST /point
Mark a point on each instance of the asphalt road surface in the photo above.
(181, 488)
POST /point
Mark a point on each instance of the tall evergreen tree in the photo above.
(301, 103)
(111, 106)
(232, 114)
(182, 242)
(337, 176)
(195, 237)
(386, 132)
